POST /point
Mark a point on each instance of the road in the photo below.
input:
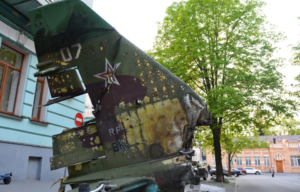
(45, 186)
(282, 182)
(248, 183)
(30, 186)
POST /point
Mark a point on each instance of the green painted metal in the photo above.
(145, 116)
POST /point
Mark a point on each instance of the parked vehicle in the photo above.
(225, 171)
(242, 170)
(252, 170)
(213, 171)
(6, 178)
(236, 172)
(200, 170)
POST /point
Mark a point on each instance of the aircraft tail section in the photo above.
(58, 29)
(143, 112)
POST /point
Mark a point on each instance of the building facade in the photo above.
(25, 128)
(88, 111)
(197, 156)
(283, 156)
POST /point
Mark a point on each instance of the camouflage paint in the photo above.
(144, 115)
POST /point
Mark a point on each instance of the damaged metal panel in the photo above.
(69, 146)
(165, 172)
(65, 83)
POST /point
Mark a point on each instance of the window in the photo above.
(10, 69)
(203, 155)
(239, 161)
(231, 162)
(295, 161)
(213, 161)
(267, 160)
(36, 112)
(257, 161)
(248, 160)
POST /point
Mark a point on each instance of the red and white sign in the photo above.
(78, 119)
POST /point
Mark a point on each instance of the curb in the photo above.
(236, 185)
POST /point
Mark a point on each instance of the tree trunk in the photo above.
(261, 133)
(216, 134)
(229, 164)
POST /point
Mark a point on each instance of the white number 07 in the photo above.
(69, 56)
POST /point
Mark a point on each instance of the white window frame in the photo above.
(239, 161)
(267, 160)
(295, 161)
(248, 160)
(257, 160)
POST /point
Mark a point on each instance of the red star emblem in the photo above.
(109, 74)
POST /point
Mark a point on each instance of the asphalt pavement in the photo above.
(212, 186)
(30, 186)
(281, 182)
(45, 186)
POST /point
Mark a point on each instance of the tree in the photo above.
(295, 60)
(222, 49)
(284, 126)
(289, 126)
(236, 143)
(233, 140)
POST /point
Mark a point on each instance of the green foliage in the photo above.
(232, 140)
(204, 138)
(234, 144)
(223, 50)
(295, 60)
(284, 126)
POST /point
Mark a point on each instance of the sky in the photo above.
(136, 20)
(284, 14)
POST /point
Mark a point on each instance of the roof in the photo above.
(17, 11)
(289, 138)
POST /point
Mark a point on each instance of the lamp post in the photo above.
(272, 168)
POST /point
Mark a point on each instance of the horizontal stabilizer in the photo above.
(59, 99)
(44, 64)
(45, 72)
(66, 83)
